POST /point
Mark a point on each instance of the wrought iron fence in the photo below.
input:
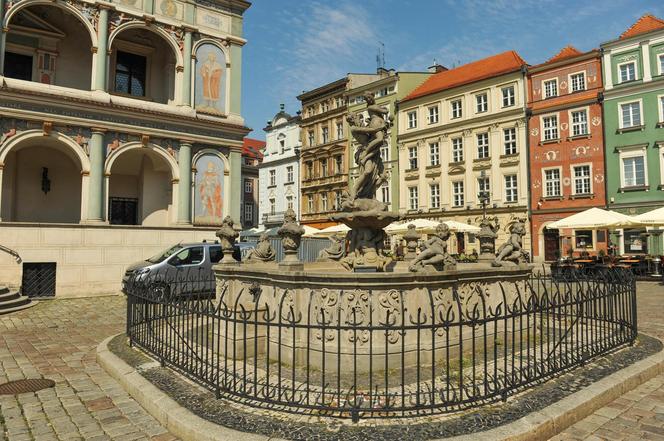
(361, 356)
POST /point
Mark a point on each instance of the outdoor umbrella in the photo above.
(595, 219)
(333, 230)
(652, 218)
(308, 231)
(421, 225)
(460, 227)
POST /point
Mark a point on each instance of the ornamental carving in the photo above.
(599, 178)
(355, 312)
(325, 313)
(390, 312)
(534, 131)
(596, 121)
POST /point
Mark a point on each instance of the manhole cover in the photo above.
(24, 386)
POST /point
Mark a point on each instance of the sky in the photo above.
(298, 45)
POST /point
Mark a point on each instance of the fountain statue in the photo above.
(411, 237)
(263, 251)
(361, 211)
(291, 234)
(435, 255)
(227, 236)
(335, 251)
(512, 250)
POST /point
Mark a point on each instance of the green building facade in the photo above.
(633, 70)
(388, 90)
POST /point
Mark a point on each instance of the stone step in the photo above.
(4, 289)
(17, 308)
(12, 303)
(9, 295)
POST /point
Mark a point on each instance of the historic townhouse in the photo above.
(633, 69)
(121, 133)
(461, 133)
(388, 89)
(566, 150)
(252, 156)
(324, 135)
(279, 178)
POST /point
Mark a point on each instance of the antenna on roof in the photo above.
(380, 57)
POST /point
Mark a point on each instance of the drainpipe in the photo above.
(528, 113)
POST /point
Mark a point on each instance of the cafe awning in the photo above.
(594, 219)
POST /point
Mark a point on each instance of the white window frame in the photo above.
(434, 196)
(338, 164)
(413, 198)
(487, 180)
(249, 211)
(636, 71)
(452, 110)
(340, 130)
(660, 63)
(411, 118)
(586, 110)
(572, 169)
(660, 109)
(631, 153)
(248, 186)
(488, 145)
(290, 174)
(310, 203)
(413, 156)
(515, 140)
(325, 134)
(324, 202)
(433, 117)
(544, 83)
(543, 129)
(516, 199)
(484, 94)
(311, 137)
(660, 146)
(434, 153)
(454, 150)
(462, 194)
(545, 180)
(272, 175)
(570, 82)
(385, 192)
(620, 116)
(513, 97)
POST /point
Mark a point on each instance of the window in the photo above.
(550, 88)
(18, 66)
(582, 179)
(508, 96)
(457, 150)
(579, 123)
(482, 102)
(634, 171)
(215, 254)
(340, 130)
(289, 174)
(326, 134)
(577, 82)
(552, 182)
(412, 119)
(482, 145)
(550, 124)
(509, 135)
(583, 239)
(457, 194)
(130, 74)
(289, 202)
(457, 111)
(338, 164)
(661, 108)
(434, 153)
(660, 57)
(310, 170)
(324, 106)
(310, 203)
(282, 144)
(311, 137)
(337, 200)
(249, 212)
(412, 157)
(273, 178)
(413, 198)
(323, 201)
(273, 206)
(385, 152)
(483, 185)
(627, 71)
(630, 114)
(433, 115)
(434, 193)
(339, 102)
(385, 192)
(511, 191)
(188, 256)
(323, 167)
(248, 186)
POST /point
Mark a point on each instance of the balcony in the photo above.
(325, 180)
(276, 217)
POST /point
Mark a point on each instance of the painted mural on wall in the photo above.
(208, 194)
(209, 85)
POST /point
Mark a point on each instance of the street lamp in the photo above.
(487, 234)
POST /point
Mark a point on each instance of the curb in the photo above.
(178, 420)
(539, 425)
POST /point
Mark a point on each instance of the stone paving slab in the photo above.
(57, 339)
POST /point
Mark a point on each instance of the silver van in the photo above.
(183, 269)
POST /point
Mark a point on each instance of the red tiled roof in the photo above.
(566, 52)
(253, 148)
(646, 23)
(489, 67)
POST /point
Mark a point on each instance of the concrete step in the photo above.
(9, 295)
(4, 289)
(17, 308)
(12, 303)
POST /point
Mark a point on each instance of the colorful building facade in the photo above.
(252, 157)
(463, 132)
(566, 150)
(633, 69)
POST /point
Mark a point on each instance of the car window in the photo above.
(188, 256)
(215, 254)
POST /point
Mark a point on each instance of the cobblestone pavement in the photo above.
(57, 339)
(639, 414)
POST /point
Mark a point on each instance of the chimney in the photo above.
(435, 68)
(382, 71)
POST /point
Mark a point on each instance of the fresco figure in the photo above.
(210, 78)
(210, 191)
(208, 200)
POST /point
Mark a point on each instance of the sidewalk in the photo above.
(57, 339)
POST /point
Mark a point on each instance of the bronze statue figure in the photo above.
(435, 252)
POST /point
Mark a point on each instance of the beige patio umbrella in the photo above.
(429, 226)
(334, 230)
(653, 218)
(595, 219)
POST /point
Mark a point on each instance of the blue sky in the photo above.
(297, 45)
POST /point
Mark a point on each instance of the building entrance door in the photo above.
(461, 243)
(551, 244)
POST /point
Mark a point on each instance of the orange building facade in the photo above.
(566, 151)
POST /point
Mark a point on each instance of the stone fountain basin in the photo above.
(366, 219)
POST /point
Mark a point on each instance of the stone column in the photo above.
(236, 185)
(96, 180)
(184, 203)
(186, 83)
(101, 66)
